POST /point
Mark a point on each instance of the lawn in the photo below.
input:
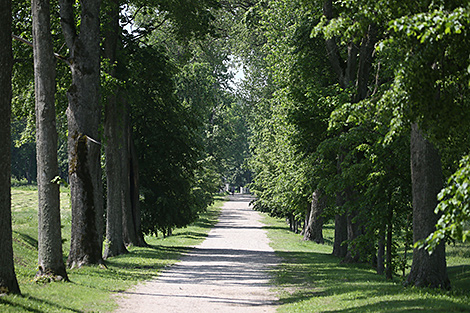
(91, 288)
(310, 279)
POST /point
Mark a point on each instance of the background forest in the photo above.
(352, 113)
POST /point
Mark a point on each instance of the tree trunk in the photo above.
(50, 258)
(366, 59)
(128, 212)
(354, 230)
(390, 268)
(131, 213)
(113, 149)
(135, 196)
(381, 253)
(344, 70)
(115, 138)
(306, 220)
(8, 282)
(353, 71)
(341, 235)
(426, 175)
(314, 228)
(83, 117)
(340, 249)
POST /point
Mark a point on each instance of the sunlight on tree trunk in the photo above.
(49, 235)
(83, 117)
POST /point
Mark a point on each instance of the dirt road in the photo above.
(226, 273)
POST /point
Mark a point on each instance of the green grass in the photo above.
(91, 288)
(309, 279)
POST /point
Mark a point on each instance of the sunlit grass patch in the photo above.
(310, 279)
(91, 289)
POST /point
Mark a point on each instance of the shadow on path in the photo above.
(228, 272)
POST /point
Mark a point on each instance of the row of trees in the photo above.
(345, 95)
(340, 98)
(144, 87)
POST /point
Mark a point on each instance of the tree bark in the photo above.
(8, 282)
(50, 257)
(354, 230)
(314, 228)
(381, 253)
(389, 270)
(134, 224)
(343, 70)
(306, 220)
(341, 235)
(115, 143)
(114, 173)
(83, 117)
(340, 248)
(426, 174)
(365, 62)
(129, 214)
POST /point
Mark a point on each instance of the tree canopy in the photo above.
(338, 99)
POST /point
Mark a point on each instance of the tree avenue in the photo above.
(351, 113)
(393, 69)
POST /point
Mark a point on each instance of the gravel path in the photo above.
(226, 273)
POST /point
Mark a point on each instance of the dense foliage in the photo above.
(333, 91)
(173, 71)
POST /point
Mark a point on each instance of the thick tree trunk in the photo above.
(115, 143)
(50, 261)
(83, 117)
(8, 282)
(114, 244)
(426, 174)
(314, 228)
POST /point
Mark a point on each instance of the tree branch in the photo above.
(29, 43)
(365, 61)
(67, 21)
(332, 48)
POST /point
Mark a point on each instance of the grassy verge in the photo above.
(91, 288)
(311, 280)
